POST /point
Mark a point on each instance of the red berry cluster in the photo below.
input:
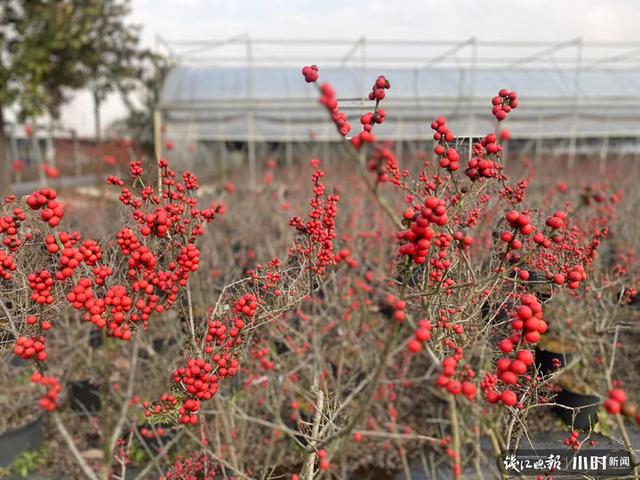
(18, 165)
(70, 259)
(48, 401)
(556, 221)
(481, 165)
(520, 223)
(45, 199)
(384, 162)
(528, 318)
(572, 441)
(188, 410)
(503, 103)
(154, 285)
(151, 434)
(101, 273)
(510, 369)
(119, 304)
(227, 366)
(319, 228)
(135, 170)
(50, 171)
(576, 275)
(166, 404)
(324, 464)
(463, 240)
(456, 387)
(397, 308)
(217, 334)
(41, 283)
(330, 101)
(419, 235)
(198, 466)
(421, 335)
(441, 262)
(448, 156)
(197, 378)
(190, 181)
(262, 355)
(369, 119)
(52, 245)
(442, 134)
(344, 255)
(378, 89)
(27, 348)
(310, 73)
(618, 403)
(9, 227)
(7, 265)
(246, 305)
(189, 260)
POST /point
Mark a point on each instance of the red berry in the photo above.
(612, 406)
(509, 398)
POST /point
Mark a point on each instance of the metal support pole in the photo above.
(363, 63)
(157, 137)
(399, 146)
(472, 85)
(576, 103)
(288, 147)
(13, 143)
(251, 146)
(76, 158)
(37, 152)
(604, 148)
(15, 154)
(538, 149)
(50, 152)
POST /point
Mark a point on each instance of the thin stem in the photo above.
(66, 436)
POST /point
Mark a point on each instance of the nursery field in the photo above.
(369, 316)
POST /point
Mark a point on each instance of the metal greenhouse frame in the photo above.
(246, 94)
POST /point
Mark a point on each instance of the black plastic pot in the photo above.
(84, 397)
(161, 344)
(17, 361)
(26, 438)
(281, 347)
(545, 360)
(95, 338)
(583, 409)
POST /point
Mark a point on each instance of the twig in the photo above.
(14, 330)
(160, 455)
(307, 470)
(84, 466)
(124, 410)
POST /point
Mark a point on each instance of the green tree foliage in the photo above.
(141, 97)
(49, 48)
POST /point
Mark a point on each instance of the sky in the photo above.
(549, 20)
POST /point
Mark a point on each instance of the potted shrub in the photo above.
(577, 403)
(84, 397)
(27, 437)
(553, 354)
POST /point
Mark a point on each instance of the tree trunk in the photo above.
(35, 144)
(5, 171)
(96, 117)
